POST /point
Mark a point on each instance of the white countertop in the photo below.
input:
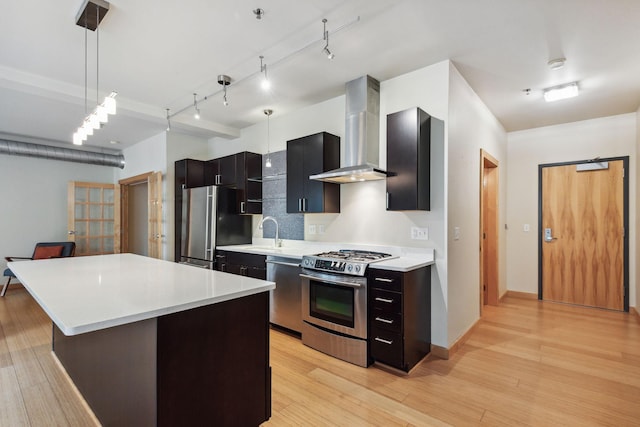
(406, 259)
(84, 294)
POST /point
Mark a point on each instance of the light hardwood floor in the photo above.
(526, 363)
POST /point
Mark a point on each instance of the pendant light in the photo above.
(267, 162)
(90, 15)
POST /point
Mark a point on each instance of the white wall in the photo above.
(636, 259)
(471, 128)
(34, 200)
(147, 156)
(605, 137)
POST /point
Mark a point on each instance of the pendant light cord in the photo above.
(85, 64)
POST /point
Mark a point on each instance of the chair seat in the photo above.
(8, 272)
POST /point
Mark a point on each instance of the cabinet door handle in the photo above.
(242, 207)
(218, 180)
(299, 205)
(304, 205)
(223, 267)
(387, 200)
(383, 341)
(388, 301)
(382, 279)
(383, 320)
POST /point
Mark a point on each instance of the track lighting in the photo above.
(225, 81)
(195, 106)
(267, 162)
(266, 84)
(168, 120)
(325, 37)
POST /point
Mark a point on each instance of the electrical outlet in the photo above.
(418, 233)
(321, 229)
(526, 228)
(312, 229)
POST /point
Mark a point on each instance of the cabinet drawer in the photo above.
(384, 320)
(390, 280)
(386, 347)
(389, 302)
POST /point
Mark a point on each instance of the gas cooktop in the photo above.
(345, 261)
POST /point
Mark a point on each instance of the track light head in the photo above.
(325, 37)
(195, 106)
(225, 81)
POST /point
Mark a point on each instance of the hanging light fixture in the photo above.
(168, 120)
(266, 84)
(90, 15)
(267, 162)
(225, 81)
(195, 106)
(326, 39)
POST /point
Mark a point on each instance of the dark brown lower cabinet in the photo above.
(243, 264)
(399, 316)
(208, 366)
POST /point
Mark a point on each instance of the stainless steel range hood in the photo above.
(362, 135)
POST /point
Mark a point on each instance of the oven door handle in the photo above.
(331, 281)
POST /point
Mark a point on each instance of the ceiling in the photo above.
(156, 54)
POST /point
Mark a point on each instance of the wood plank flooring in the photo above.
(527, 363)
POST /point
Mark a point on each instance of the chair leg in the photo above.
(4, 288)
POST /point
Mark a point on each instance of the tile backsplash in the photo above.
(274, 200)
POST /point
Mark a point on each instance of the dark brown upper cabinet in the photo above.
(410, 134)
(242, 171)
(311, 155)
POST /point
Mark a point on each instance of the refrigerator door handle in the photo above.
(208, 230)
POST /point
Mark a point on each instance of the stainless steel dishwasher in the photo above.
(286, 308)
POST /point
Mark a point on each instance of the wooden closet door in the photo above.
(583, 258)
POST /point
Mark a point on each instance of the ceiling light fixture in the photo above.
(556, 64)
(168, 120)
(557, 93)
(90, 15)
(195, 105)
(225, 81)
(267, 162)
(266, 84)
(325, 37)
(258, 13)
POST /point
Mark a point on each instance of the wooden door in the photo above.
(155, 235)
(489, 230)
(93, 217)
(583, 221)
(153, 181)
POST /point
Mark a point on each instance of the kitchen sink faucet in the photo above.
(276, 242)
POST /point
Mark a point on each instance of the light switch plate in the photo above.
(419, 233)
(456, 233)
(312, 229)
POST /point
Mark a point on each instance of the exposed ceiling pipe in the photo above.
(17, 148)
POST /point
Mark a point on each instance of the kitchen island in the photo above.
(150, 342)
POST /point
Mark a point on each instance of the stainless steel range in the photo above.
(334, 303)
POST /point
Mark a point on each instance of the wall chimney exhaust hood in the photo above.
(362, 131)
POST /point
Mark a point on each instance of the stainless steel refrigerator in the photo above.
(210, 219)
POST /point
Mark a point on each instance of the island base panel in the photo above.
(115, 371)
(204, 366)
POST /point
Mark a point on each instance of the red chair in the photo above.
(42, 250)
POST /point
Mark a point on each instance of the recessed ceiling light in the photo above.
(114, 142)
(556, 64)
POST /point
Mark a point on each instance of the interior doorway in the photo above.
(489, 230)
(141, 216)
